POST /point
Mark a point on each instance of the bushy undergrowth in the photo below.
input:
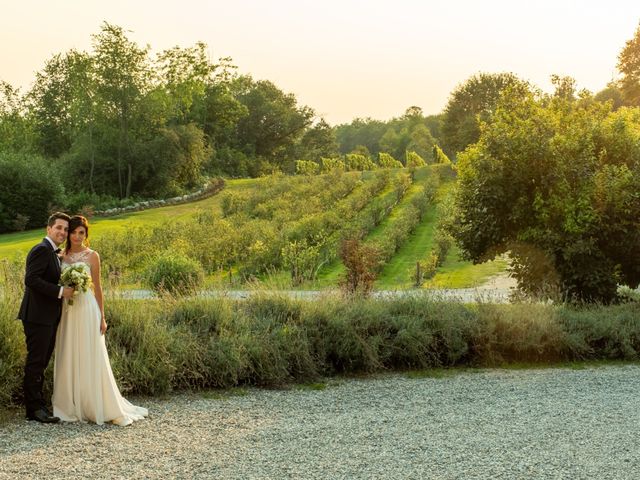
(189, 343)
(258, 224)
(174, 273)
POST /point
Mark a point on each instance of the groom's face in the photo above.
(58, 231)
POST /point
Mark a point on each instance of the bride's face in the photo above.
(77, 237)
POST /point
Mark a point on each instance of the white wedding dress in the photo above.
(84, 388)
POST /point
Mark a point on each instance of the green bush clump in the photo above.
(193, 343)
(174, 273)
(12, 351)
(30, 187)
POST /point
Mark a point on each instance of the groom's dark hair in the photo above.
(55, 216)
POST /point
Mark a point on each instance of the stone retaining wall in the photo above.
(209, 189)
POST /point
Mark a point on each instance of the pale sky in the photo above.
(344, 58)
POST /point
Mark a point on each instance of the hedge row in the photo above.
(159, 346)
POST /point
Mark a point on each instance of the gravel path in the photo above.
(466, 295)
(548, 423)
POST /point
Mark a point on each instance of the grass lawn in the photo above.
(19, 243)
(458, 273)
(398, 272)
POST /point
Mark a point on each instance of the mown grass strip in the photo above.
(19, 243)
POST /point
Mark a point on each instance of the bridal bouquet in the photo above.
(76, 275)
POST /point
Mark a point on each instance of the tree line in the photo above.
(551, 178)
(115, 124)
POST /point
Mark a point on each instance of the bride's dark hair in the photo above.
(75, 222)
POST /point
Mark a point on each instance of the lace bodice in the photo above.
(82, 256)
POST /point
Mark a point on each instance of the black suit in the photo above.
(40, 312)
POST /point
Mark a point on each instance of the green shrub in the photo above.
(332, 164)
(356, 161)
(30, 188)
(12, 350)
(414, 160)
(140, 344)
(307, 167)
(174, 273)
(385, 160)
(192, 343)
(12, 342)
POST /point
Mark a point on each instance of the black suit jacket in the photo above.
(40, 304)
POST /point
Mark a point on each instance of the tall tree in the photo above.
(317, 142)
(555, 184)
(185, 74)
(629, 66)
(123, 77)
(471, 103)
(51, 97)
(367, 132)
(17, 132)
(610, 94)
(63, 101)
(274, 122)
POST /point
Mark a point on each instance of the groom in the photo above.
(40, 313)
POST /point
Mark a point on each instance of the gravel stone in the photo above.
(473, 424)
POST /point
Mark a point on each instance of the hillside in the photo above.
(277, 228)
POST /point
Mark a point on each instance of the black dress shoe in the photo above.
(42, 416)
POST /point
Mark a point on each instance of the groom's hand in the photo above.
(67, 292)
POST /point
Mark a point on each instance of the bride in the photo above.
(83, 384)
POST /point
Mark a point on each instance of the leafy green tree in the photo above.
(408, 132)
(366, 132)
(185, 74)
(629, 67)
(30, 187)
(222, 112)
(17, 131)
(439, 156)
(554, 182)
(422, 142)
(361, 150)
(318, 141)
(610, 94)
(51, 96)
(434, 124)
(474, 102)
(565, 87)
(66, 114)
(177, 155)
(123, 79)
(274, 122)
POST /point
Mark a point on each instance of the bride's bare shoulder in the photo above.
(93, 255)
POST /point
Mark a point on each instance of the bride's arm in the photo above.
(97, 288)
